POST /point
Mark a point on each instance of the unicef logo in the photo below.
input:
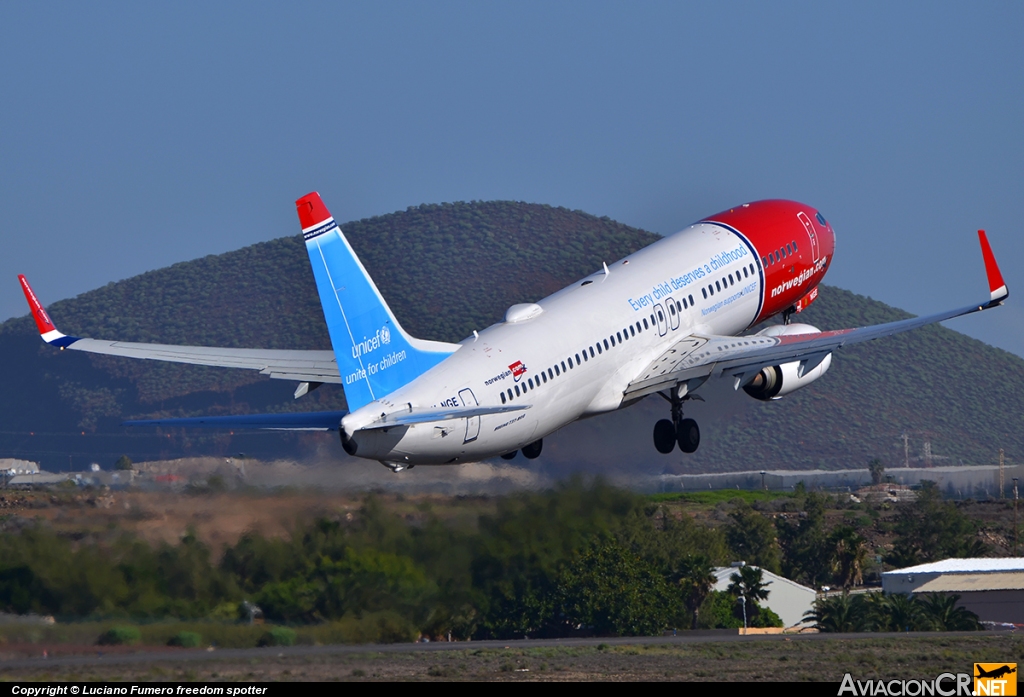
(385, 335)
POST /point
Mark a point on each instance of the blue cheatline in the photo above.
(375, 355)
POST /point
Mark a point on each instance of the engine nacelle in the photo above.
(777, 381)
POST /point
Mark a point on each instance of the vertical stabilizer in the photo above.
(375, 355)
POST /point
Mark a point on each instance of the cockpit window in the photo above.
(821, 219)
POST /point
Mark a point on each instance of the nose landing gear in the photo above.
(679, 431)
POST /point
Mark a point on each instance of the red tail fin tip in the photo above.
(312, 210)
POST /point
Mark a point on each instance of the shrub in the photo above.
(119, 636)
(188, 640)
(278, 636)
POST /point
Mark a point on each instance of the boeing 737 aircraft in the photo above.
(664, 320)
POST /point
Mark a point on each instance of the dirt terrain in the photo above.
(821, 658)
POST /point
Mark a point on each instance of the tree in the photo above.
(748, 587)
(806, 553)
(929, 529)
(897, 613)
(840, 613)
(610, 591)
(877, 470)
(123, 463)
(752, 538)
(695, 581)
(849, 557)
(942, 613)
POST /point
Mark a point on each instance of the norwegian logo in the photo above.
(518, 370)
(995, 679)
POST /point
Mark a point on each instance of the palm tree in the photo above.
(849, 557)
(840, 613)
(942, 613)
(749, 584)
(898, 613)
(695, 579)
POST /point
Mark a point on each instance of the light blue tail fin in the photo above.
(375, 355)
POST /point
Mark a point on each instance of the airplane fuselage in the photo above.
(573, 353)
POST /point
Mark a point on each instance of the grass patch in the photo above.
(717, 496)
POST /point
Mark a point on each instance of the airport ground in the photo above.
(693, 656)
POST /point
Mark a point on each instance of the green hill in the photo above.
(446, 270)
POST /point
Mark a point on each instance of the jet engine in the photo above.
(776, 381)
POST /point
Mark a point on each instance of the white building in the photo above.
(993, 589)
(787, 599)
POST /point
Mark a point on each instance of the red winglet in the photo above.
(996, 285)
(43, 322)
(312, 210)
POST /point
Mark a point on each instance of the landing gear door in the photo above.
(468, 399)
(809, 226)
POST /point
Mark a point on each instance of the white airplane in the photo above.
(664, 320)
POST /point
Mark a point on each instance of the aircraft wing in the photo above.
(427, 415)
(301, 366)
(698, 358)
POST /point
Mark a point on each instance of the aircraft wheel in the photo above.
(509, 456)
(532, 451)
(664, 436)
(688, 435)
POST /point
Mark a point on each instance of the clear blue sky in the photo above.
(135, 135)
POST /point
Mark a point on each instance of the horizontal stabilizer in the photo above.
(422, 416)
(302, 421)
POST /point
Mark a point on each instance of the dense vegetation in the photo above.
(581, 558)
(448, 269)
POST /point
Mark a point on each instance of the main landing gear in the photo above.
(679, 431)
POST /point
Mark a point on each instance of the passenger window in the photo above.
(752, 270)
(745, 274)
(510, 394)
(794, 246)
(570, 361)
(705, 292)
(557, 371)
(502, 397)
(551, 374)
(645, 323)
(632, 331)
(718, 287)
(544, 378)
(591, 351)
(618, 335)
(789, 250)
(517, 390)
(711, 289)
(764, 261)
(577, 359)
(671, 308)
(638, 329)
(606, 344)
(652, 321)
(599, 347)
(585, 355)
(563, 366)
(661, 316)
(691, 301)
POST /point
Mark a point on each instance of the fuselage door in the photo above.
(673, 313)
(468, 399)
(661, 319)
(809, 226)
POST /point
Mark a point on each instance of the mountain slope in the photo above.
(446, 270)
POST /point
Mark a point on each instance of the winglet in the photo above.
(44, 324)
(996, 285)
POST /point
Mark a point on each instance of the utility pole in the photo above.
(1014, 516)
(1001, 473)
(906, 450)
(763, 487)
